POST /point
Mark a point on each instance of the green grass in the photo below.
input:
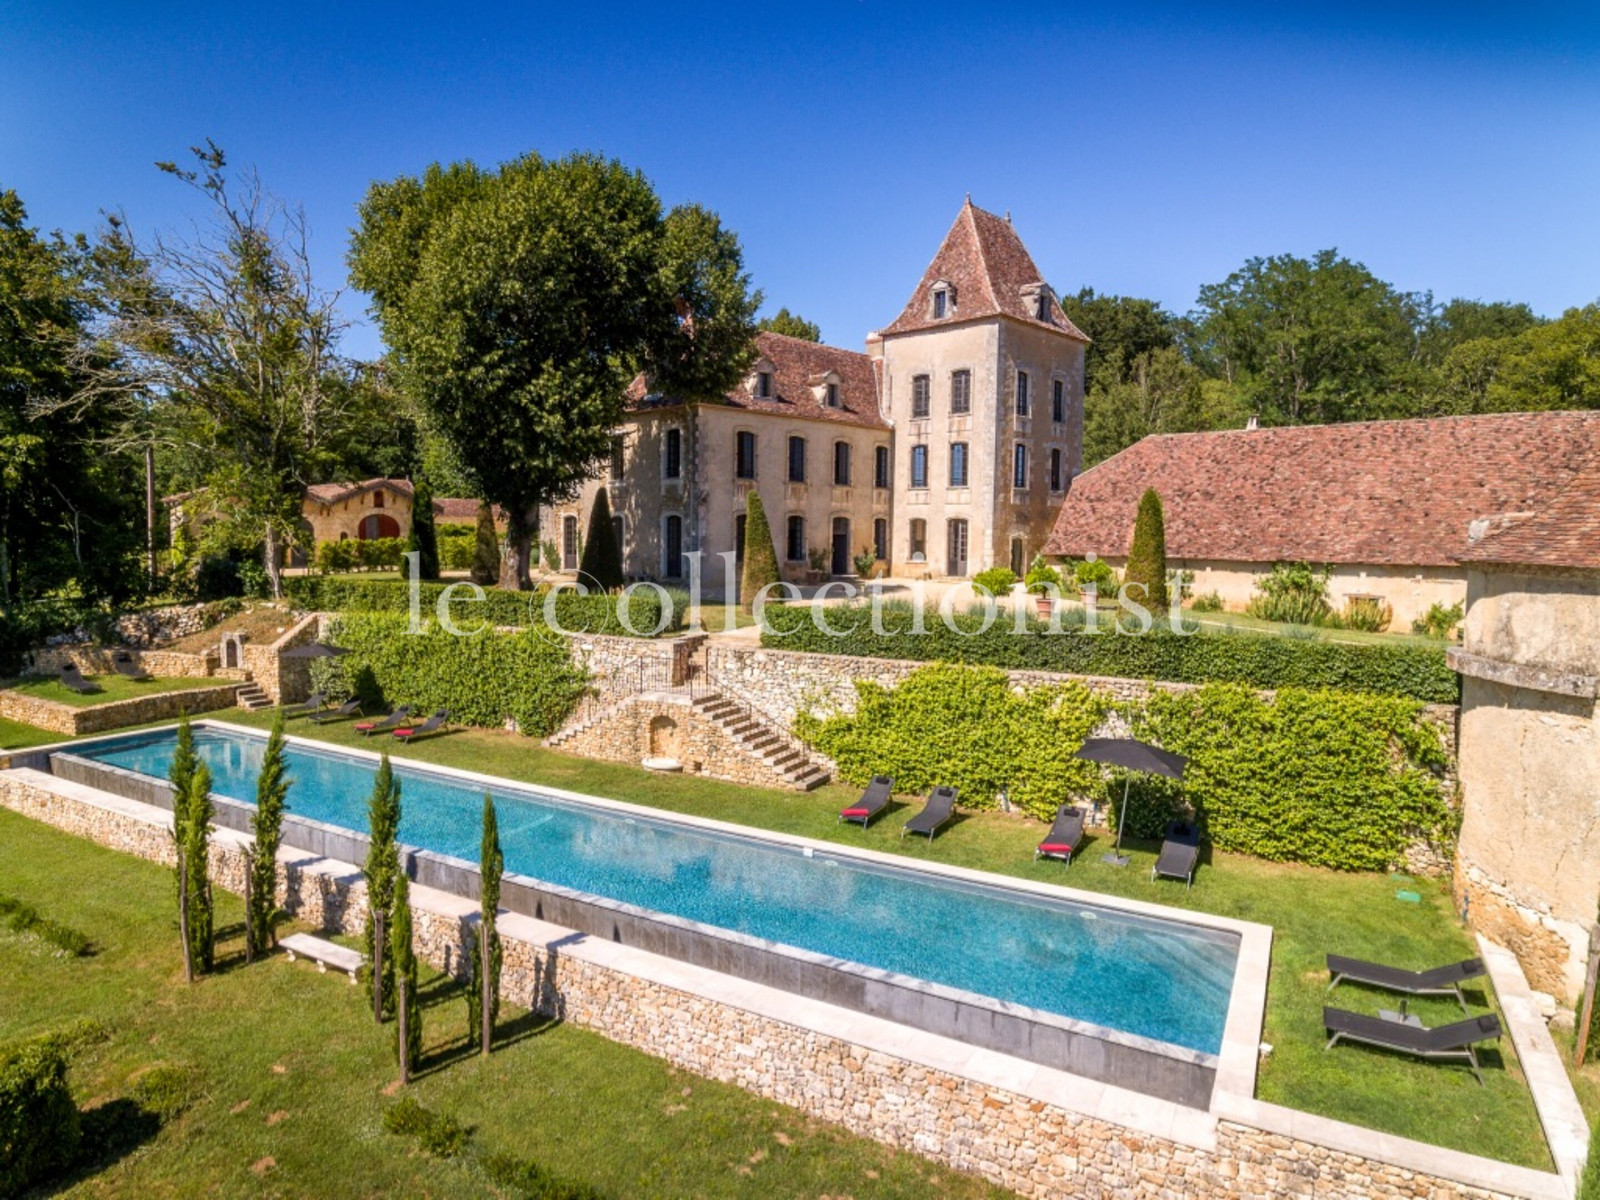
(107, 688)
(1221, 622)
(14, 735)
(1313, 912)
(290, 1073)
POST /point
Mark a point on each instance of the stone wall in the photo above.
(632, 664)
(1010, 1138)
(74, 721)
(283, 680)
(100, 660)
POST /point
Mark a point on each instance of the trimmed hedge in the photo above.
(482, 679)
(39, 1128)
(1259, 661)
(574, 613)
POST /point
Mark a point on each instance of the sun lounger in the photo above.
(348, 709)
(1440, 981)
(1410, 1036)
(406, 732)
(1065, 835)
(1180, 851)
(939, 809)
(873, 801)
(73, 678)
(125, 665)
(384, 724)
(312, 704)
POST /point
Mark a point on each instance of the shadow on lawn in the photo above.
(111, 1132)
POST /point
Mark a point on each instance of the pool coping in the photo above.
(1234, 1064)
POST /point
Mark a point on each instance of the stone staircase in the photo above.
(251, 697)
(761, 740)
(592, 720)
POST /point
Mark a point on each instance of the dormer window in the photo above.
(764, 385)
(831, 396)
(942, 300)
(941, 303)
(1038, 296)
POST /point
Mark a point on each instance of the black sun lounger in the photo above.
(873, 801)
(73, 678)
(348, 709)
(311, 704)
(939, 809)
(406, 732)
(126, 667)
(383, 724)
(1410, 1037)
(1180, 851)
(1440, 981)
(1065, 836)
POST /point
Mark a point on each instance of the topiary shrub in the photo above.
(1041, 573)
(39, 1129)
(486, 547)
(964, 726)
(996, 580)
(601, 565)
(1147, 558)
(167, 1090)
(423, 540)
(760, 555)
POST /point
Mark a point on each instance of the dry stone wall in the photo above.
(74, 721)
(1034, 1148)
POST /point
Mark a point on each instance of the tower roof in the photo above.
(988, 273)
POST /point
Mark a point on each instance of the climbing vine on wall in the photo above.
(966, 727)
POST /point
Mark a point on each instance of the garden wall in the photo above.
(974, 1118)
(74, 721)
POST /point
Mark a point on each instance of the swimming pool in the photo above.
(1163, 980)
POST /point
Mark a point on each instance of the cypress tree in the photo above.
(272, 788)
(1147, 559)
(601, 565)
(382, 871)
(760, 555)
(181, 773)
(491, 865)
(486, 550)
(400, 954)
(197, 858)
(424, 540)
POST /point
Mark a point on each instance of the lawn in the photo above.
(1312, 911)
(107, 688)
(293, 1076)
(261, 624)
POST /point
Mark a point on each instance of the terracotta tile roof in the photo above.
(1562, 532)
(332, 493)
(991, 273)
(461, 510)
(1402, 493)
(798, 368)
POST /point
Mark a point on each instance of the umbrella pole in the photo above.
(1116, 857)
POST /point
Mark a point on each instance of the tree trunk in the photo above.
(486, 979)
(271, 559)
(183, 917)
(522, 534)
(378, 936)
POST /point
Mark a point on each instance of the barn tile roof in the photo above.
(798, 367)
(991, 273)
(1400, 493)
(332, 493)
(1562, 532)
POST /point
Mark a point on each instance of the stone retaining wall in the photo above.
(115, 714)
(100, 660)
(1035, 1148)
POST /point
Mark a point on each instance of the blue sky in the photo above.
(1140, 148)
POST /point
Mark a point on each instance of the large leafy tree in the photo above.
(1308, 341)
(1162, 393)
(221, 348)
(68, 511)
(518, 304)
(791, 325)
(1123, 332)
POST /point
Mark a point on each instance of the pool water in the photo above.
(1165, 980)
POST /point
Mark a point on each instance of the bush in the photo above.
(1147, 557)
(39, 1129)
(456, 546)
(1098, 572)
(439, 1135)
(527, 1180)
(1211, 602)
(1260, 661)
(1041, 573)
(1320, 777)
(1366, 615)
(964, 726)
(1440, 620)
(996, 580)
(595, 614)
(483, 680)
(1293, 593)
(864, 562)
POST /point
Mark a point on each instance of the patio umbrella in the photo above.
(1132, 755)
(315, 650)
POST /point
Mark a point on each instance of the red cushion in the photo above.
(404, 732)
(855, 812)
(363, 726)
(1055, 848)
